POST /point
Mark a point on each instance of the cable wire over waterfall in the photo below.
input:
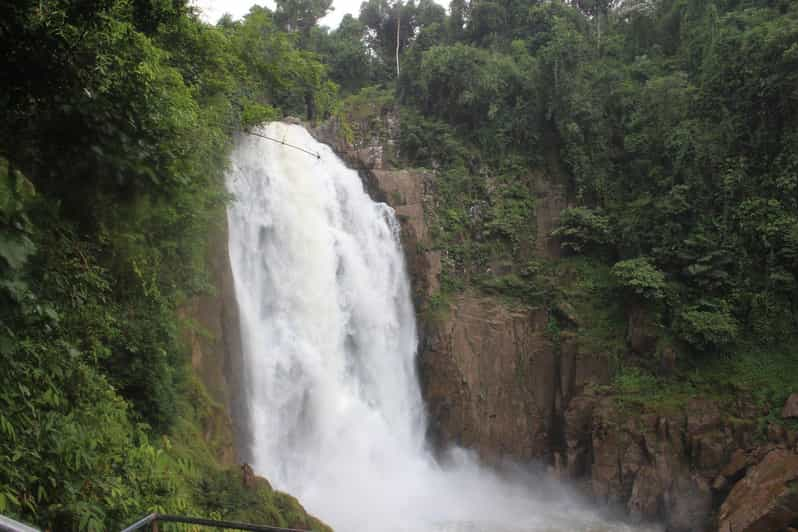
(284, 143)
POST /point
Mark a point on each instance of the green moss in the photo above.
(587, 285)
(224, 496)
(764, 377)
(436, 308)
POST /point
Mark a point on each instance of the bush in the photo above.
(583, 229)
(707, 325)
(640, 277)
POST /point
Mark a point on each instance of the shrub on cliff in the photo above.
(640, 278)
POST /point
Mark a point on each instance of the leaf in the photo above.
(15, 250)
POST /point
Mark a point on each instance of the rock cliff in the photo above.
(212, 331)
(496, 379)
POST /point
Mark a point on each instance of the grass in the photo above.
(765, 376)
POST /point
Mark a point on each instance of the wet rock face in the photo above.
(409, 192)
(488, 374)
(494, 381)
(216, 353)
(372, 143)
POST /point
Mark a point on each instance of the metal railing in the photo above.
(9, 525)
(154, 519)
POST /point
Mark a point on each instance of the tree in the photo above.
(300, 15)
(390, 28)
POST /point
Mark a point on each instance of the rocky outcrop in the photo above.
(212, 330)
(369, 143)
(408, 191)
(677, 467)
(766, 499)
(790, 409)
(494, 380)
(488, 373)
(642, 462)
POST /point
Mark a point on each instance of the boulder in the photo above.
(733, 470)
(790, 409)
(766, 499)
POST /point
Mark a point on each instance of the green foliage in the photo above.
(640, 277)
(583, 229)
(278, 72)
(345, 53)
(752, 374)
(707, 325)
(664, 135)
(225, 496)
(119, 121)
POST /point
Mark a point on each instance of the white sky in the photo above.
(213, 9)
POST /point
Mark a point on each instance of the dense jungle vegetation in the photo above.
(671, 124)
(117, 118)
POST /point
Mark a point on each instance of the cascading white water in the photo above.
(330, 342)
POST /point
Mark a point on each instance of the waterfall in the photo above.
(329, 340)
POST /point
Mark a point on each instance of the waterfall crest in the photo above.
(329, 341)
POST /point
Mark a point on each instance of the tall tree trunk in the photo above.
(398, 23)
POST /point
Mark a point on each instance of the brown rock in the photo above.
(667, 360)
(732, 471)
(641, 331)
(611, 461)
(710, 451)
(489, 376)
(432, 272)
(644, 503)
(578, 368)
(370, 156)
(216, 353)
(790, 409)
(766, 499)
(703, 415)
(776, 433)
(551, 199)
(738, 462)
(247, 476)
(400, 187)
(577, 425)
(689, 504)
